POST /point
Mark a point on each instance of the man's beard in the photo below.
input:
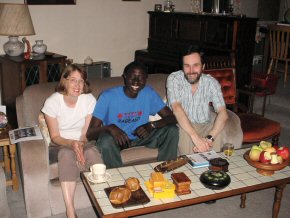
(192, 81)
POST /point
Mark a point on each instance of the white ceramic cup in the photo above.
(98, 171)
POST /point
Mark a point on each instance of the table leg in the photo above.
(277, 200)
(12, 149)
(6, 159)
(243, 200)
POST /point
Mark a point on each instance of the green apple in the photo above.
(264, 144)
(280, 159)
(254, 154)
(256, 147)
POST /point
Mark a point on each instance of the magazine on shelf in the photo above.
(25, 134)
(201, 159)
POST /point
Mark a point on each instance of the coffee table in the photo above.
(244, 179)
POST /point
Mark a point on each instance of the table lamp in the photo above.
(15, 21)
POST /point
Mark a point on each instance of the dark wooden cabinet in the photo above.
(230, 37)
(16, 73)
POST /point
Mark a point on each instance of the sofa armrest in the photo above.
(19, 111)
(35, 177)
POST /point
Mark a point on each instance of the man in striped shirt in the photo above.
(189, 93)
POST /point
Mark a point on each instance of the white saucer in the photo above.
(105, 179)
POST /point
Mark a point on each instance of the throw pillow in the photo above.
(44, 129)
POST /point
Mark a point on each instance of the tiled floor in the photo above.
(241, 173)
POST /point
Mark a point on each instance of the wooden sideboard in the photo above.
(16, 73)
(231, 38)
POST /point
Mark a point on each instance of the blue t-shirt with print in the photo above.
(115, 107)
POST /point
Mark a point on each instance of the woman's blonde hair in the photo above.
(68, 70)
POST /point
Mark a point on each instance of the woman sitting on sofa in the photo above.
(68, 113)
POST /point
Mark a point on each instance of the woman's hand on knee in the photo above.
(78, 148)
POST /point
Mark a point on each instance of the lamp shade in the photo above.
(15, 20)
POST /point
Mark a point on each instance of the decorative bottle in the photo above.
(39, 47)
(168, 6)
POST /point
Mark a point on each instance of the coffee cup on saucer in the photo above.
(98, 172)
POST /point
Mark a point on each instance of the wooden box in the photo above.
(182, 183)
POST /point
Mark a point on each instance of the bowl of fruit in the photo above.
(267, 158)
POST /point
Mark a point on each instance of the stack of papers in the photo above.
(202, 159)
(25, 134)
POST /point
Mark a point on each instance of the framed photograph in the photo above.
(50, 2)
(157, 7)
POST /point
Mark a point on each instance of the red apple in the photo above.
(276, 147)
(283, 152)
(265, 157)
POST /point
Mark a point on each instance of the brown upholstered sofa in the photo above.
(41, 188)
(42, 191)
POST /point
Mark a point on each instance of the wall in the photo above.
(109, 30)
(284, 5)
(249, 7)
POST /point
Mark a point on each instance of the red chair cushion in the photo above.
(226, 78)
(256, 128)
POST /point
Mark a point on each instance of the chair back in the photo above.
(227, 80)
(279, 41)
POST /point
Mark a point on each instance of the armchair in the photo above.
(255, 127)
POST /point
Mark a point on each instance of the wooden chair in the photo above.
(262, 85)
(255, 127)
(279, 47)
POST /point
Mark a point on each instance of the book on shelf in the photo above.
(197, 160)
(25, 134)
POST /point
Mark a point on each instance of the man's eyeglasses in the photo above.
(76, 81)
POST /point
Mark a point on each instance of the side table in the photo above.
(9, 158)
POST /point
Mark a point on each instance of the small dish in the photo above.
(105, 179)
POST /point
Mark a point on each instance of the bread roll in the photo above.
(132, 184)
(120, 195)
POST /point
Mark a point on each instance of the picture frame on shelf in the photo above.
(50, 2)
(158, 7)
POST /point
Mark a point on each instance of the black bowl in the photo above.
(215, 179)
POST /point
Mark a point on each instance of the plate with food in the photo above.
(266, 168)
(267, 158)
(129, 194)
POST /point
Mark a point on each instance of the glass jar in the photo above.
(168, 5)
(39, 47)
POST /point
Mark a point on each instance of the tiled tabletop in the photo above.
(241, 173)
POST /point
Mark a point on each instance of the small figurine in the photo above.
(27, 54)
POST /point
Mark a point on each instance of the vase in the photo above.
(39, 47)
(13, 47)
(168, 6)
(195, 6)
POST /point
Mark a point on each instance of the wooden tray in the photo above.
(265, 169)
(170, 165)
(137, 197)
